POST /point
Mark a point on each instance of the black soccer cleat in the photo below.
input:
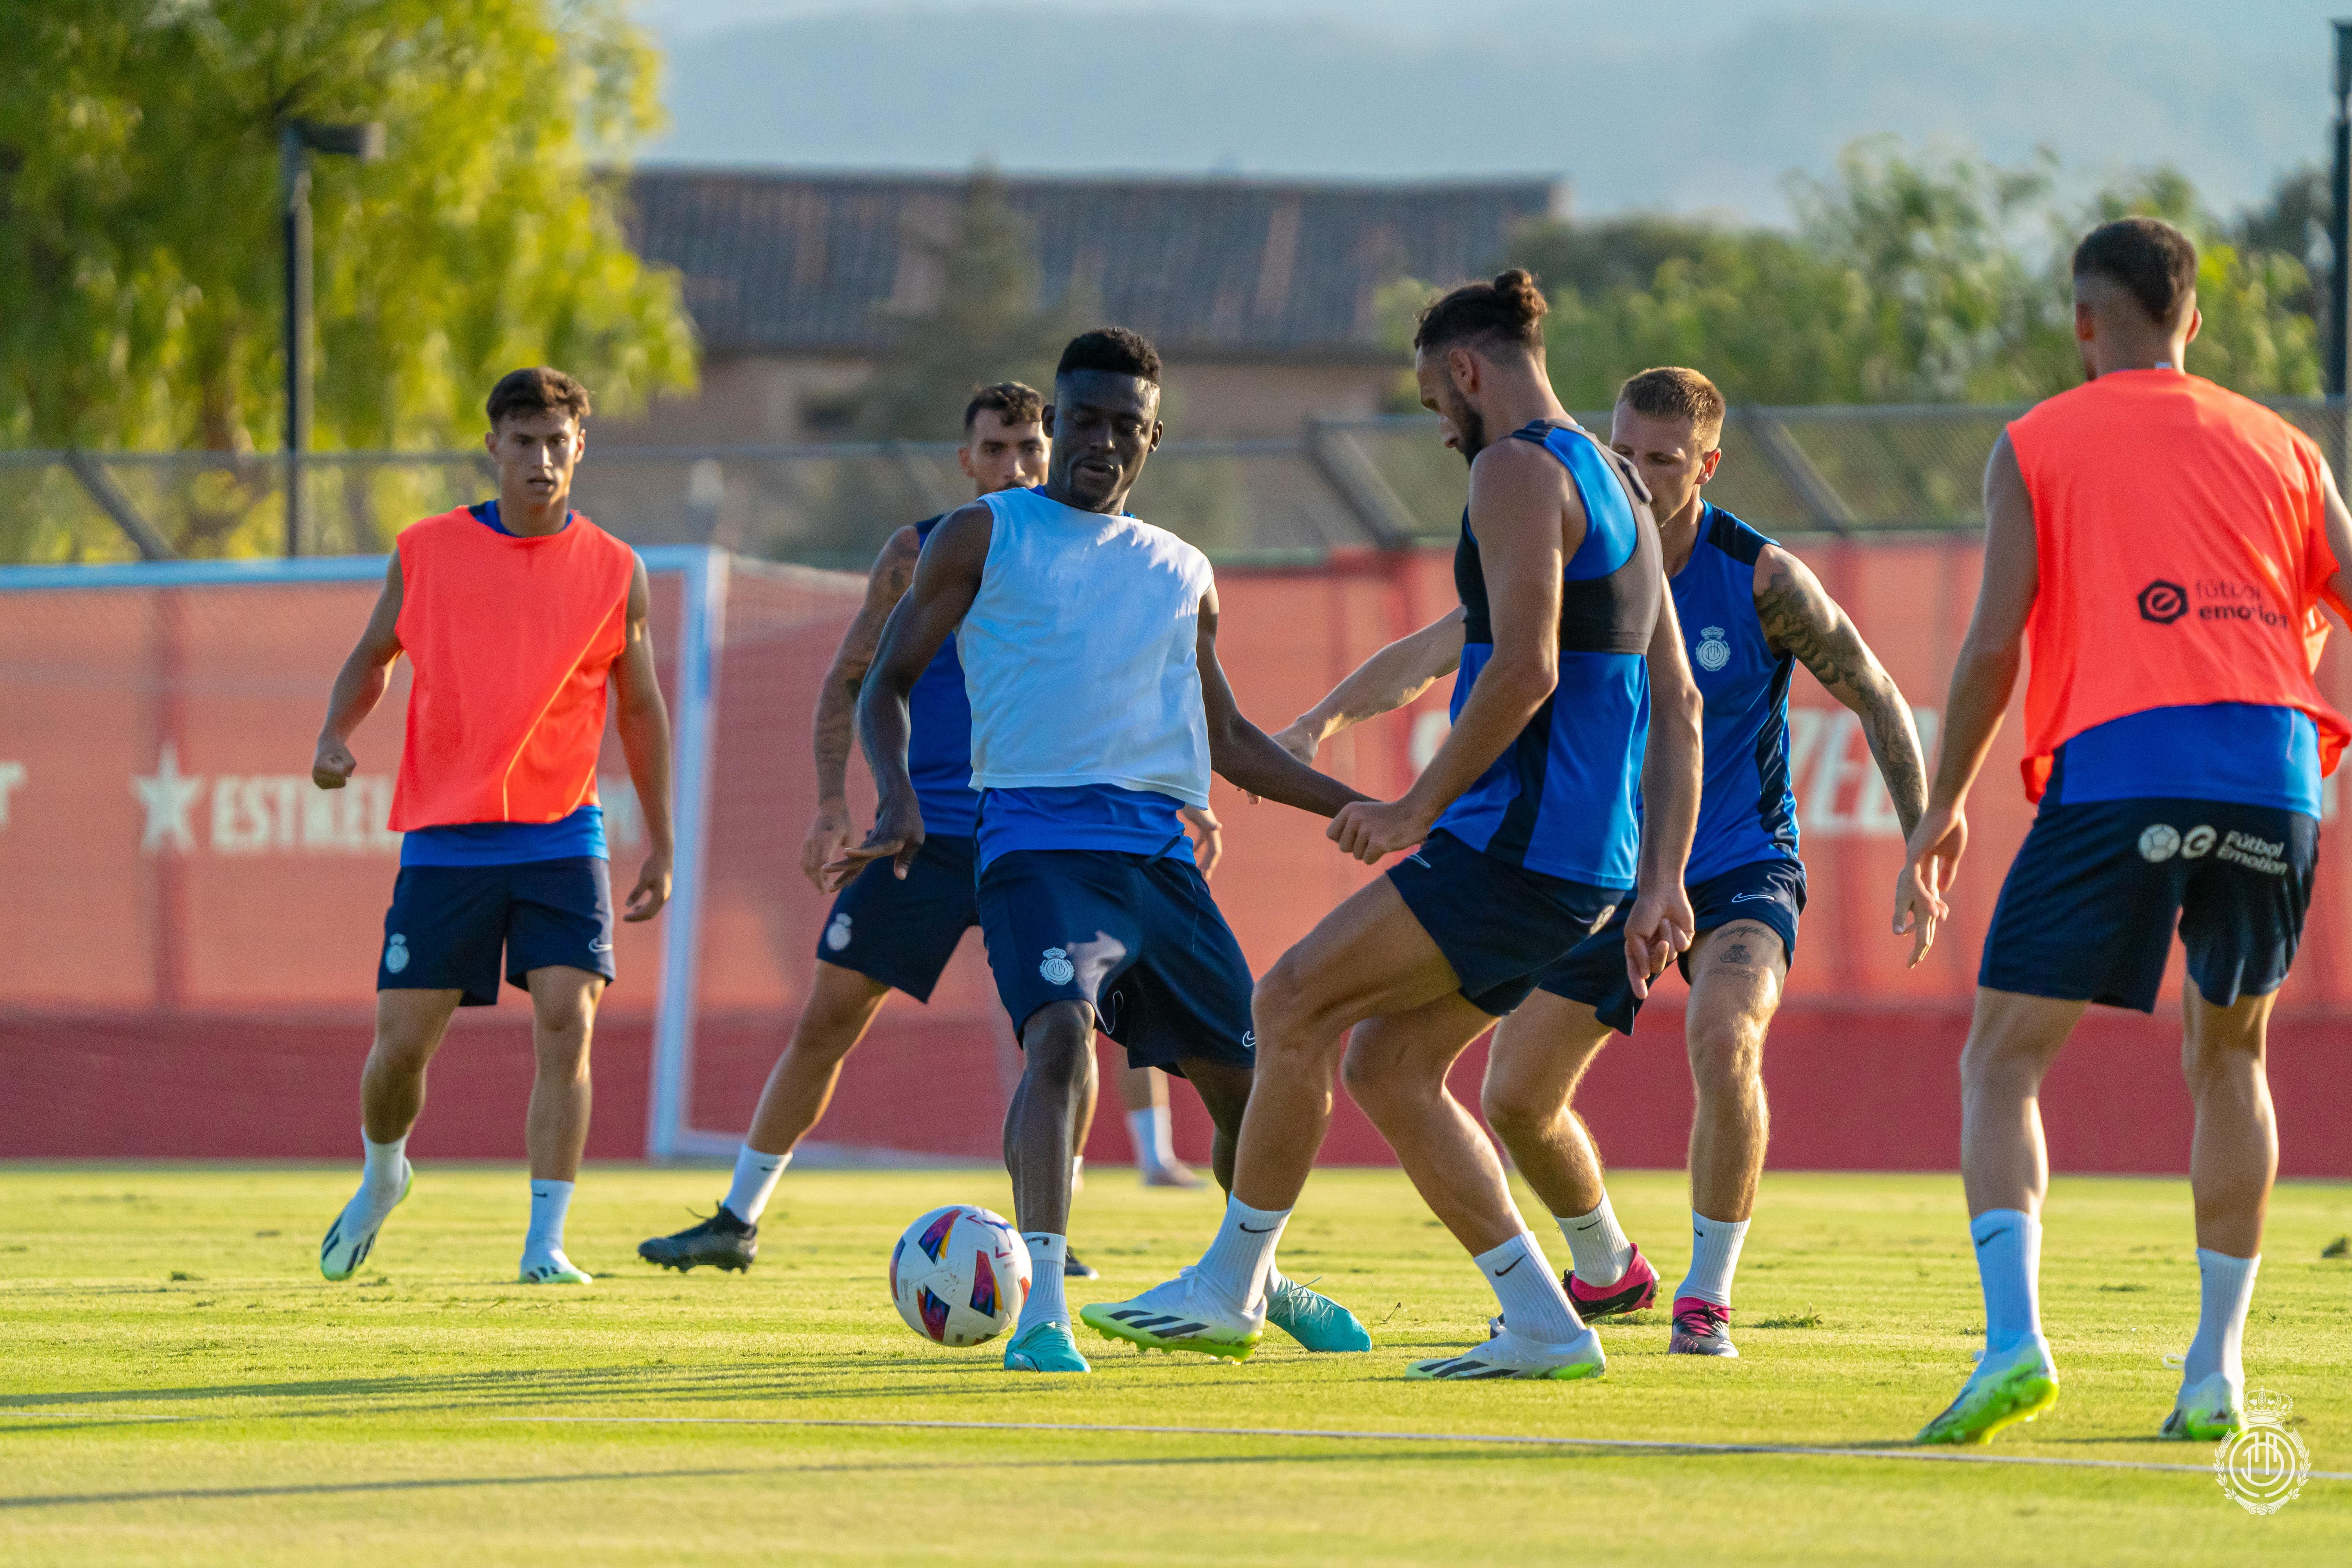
(721, 1240)
(1076, 1267)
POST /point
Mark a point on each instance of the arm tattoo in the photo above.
(836, 702)
(1800, 616)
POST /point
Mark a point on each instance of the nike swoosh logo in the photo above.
(1514, 1263)
(1996, 1235)
(1259, 1229)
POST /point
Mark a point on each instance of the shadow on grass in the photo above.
(450, 1483)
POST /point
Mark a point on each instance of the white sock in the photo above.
(1598, 1243)
(1046, 1304)
(2009, 1262)
(1239, 1261)
(550, 1201)
(1147, 1130)
(1715, 1253)
(1533, 1305)
(2226, 1289)
(384, 1168)
(755, 1181)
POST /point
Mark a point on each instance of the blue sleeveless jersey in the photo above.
(1746, 809)
(938, 743)
(1564, 798)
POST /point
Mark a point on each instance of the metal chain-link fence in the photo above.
(1379, 483)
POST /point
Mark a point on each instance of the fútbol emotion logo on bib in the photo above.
(2263, 1464)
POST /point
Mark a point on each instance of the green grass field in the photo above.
(178, 1385)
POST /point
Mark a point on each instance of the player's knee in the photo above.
(1284, 1006)
(1512, 1110)
(1726, 1061)
(1058, 1042)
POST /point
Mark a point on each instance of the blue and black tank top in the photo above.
(1564, 798)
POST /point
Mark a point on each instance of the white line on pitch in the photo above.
(1939, 1455)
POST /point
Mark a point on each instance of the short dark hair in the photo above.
(1014, 402)
(1120, 350)
(1510, 310)
(1674, 392)
(537, 390)
(2146, 257)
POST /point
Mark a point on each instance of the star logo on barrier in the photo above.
(167, 793)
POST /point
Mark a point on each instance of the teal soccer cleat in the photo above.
(1314, 1319)
(1048, 1347)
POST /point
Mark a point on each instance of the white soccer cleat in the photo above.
(2207, 1411)
(551, 1268)
(353, 1236)
(1184, 1314)
(1515, 1355)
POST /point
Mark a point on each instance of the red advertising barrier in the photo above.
(193, 929)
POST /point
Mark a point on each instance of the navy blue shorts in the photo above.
(1772, 892)
(1137, 936)
(2088, 909)
(1499, 925)
(448, 924)
(903, 933)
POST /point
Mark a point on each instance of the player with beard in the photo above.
(1088, 641)
(1528, 838)
(1750, 611)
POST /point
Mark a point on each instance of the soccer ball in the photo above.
(960, 1275)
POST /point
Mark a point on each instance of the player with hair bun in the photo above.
(1749, 611)
(1526, 835)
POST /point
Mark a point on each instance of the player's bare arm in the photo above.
(1802, 619)
(2338, 592)
(1982, 679)
(1244, 754)
(1661, 923)
(947, 580)
(1529, 521)
(360, 685)
(642, 718)
(1208, 839)
(1381, 684)
(832, 831)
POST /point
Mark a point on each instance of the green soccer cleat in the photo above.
(353, 1236)
(1314, 1319)
(2015, 1386)
(1180, 1315)
(553, 1268)
(2206, 1412)
(1048, 1347)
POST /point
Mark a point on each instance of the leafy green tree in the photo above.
(139, 258)
(985, 324)
(1922, 280)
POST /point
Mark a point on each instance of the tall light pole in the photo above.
(2340, 215)
(297, 140)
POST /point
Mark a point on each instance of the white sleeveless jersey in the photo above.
(1079, 653)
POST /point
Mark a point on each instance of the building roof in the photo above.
(816, 263)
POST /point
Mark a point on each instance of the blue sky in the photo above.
(1705, 105)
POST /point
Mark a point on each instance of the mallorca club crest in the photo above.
(837, 935)
(1712, 653)
(1057, 967)
(2263, 1464)
(395, 954)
